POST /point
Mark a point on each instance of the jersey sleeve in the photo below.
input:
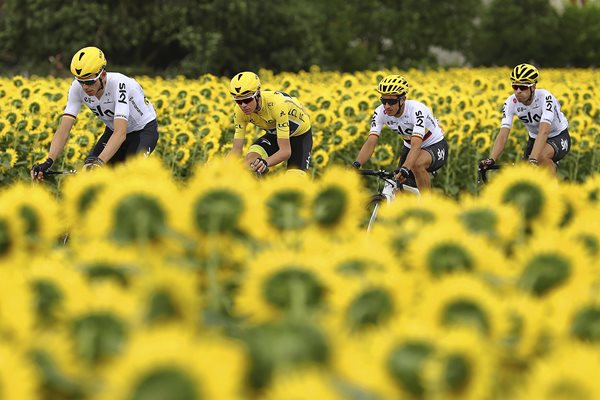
(239, 122)
(418, 118)
(508, 113)
(550, 103)
(377, 121)
(73, 100)
(122, 100)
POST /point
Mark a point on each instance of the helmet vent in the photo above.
(78, 70)
(81, 55)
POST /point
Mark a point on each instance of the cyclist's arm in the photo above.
(59, 140)
(540, 140)
(500, 143)
(366, 151)
(413, 153)
(281, 155)
(238, 146)
(115, 141)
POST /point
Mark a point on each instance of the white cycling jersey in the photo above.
(416, 119)
(543, 108)
(123, 98)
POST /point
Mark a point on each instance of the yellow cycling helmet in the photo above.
(524, 73)
(393, 84)
(87, 62)
(244, 84)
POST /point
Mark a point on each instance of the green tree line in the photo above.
(193, 37)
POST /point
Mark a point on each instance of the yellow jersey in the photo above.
(279, 114)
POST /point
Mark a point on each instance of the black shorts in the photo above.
(301, 148)
(438, 151)
(142, 141)
(561, 144)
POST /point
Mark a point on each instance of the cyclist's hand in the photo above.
(402, 174)
(533, 161)
(484, 165)
(38, 170)
(260, 166)
(92, 162)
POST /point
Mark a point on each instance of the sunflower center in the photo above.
(543, 273)
(5, 239)
(330, 206)
(371, 307)
(464, 312)
(218, 211)
(138, 218)
(47, 299)
(104, 270)
(86, 198)
(165, 383)
(98, 336)
(586, 324)
(457, 373)
(161, 307)
(293, 288)
(285, 210)
(447, 258)
(527, 197)
(405, 363)
(480, 221)
(30, 220)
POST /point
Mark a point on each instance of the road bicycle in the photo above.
(482, 177)
(388, 187)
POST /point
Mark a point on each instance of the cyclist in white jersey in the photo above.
(425, 149)
(116, 99)
(549, 139)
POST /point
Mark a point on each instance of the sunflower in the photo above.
(464, 301)
(550, 380)
(591, 190)
(496, 222)
(463, 368)
(8, 159)
(579, 317)
(135, 212)
(573, 198)
(39, 213)
(305, 384)
(163, 362)
(284, 282)
(218, 199)
(99, 322)
(358, 305)
(338, 200)
(18, 379)
(552, 265)
(284, 206)
(54, 282)
(80, 192)
(446, 247)
(169, 293)
(533, 192)
(320, 158)
(12, 240)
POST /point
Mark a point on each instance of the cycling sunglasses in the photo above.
(521, 87)
(89, 82)
(391, 102)
(244, 101)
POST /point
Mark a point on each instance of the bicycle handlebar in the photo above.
(482, 173)
(67, 172)
(379, 173)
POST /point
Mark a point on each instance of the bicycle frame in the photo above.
(387, 192)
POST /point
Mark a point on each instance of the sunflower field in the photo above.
(183, 277)
(195, 119)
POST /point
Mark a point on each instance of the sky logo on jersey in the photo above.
(122, 93)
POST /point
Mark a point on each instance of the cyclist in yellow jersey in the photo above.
(288, 134)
